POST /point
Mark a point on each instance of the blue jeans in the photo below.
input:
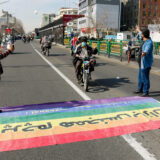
(143, 80)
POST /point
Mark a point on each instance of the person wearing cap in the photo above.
(146, 63)
(87, 51)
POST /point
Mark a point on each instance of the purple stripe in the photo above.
(80, 108)
(70, 104)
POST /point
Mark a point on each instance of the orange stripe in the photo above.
(62, 130)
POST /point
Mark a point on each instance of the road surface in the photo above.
(28, 79)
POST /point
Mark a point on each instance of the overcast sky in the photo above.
(24, 10)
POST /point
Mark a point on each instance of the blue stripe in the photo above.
(78, 108)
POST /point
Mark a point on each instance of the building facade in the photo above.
(71, 26)
(47, 18)
(6, 21)
(100, 16)
(149, 12)
(141, 12)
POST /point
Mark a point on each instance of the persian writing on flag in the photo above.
(32, 126)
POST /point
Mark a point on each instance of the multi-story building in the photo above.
(141, 12)
(149, 12)
(71, 26)
(6, 21)
(100, 16)
(47, 18)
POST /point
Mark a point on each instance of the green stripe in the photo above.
(61, 115)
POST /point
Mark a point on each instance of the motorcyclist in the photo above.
(45, 42)
(44, 39)
(28, 38)
(24, 38)
(81, 51)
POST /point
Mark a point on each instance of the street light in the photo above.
(4, 2)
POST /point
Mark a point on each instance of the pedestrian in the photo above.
(145, 63)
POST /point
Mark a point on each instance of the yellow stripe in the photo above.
(56, 122)
(77, 127)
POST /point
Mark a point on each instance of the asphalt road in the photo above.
(28, 79)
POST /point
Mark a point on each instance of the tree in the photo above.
(97, 25)
(18, 26)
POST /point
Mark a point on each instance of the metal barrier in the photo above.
(104, 48)
(156, 48)
(67, 42)
(107, 48)
(112, 48)
(116, 49)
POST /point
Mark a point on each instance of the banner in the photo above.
(68, 18)
(32, 126)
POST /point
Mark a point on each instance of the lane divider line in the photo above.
(143, 152)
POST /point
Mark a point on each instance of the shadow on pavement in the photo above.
(21, 53)
(101, 64)
(57, 55)
(27, 66)
(154, 94)
(112, 82)
(95, 87)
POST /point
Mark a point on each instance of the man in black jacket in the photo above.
(81, 48)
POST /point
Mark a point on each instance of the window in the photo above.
(144, 13)
(155, 14)
(83, 21)
(149, 14)
(144, 5)
(83, 12)
(143, 21)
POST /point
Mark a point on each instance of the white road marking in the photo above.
(128, 138)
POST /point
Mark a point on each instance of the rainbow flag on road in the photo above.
(32, 126)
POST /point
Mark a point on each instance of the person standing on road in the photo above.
(145, 63)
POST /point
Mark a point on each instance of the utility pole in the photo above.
(4, 2)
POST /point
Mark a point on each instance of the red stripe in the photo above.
(76, 137)
(106, 133)
(26, 143)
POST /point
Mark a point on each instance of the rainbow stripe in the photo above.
(32, 126)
